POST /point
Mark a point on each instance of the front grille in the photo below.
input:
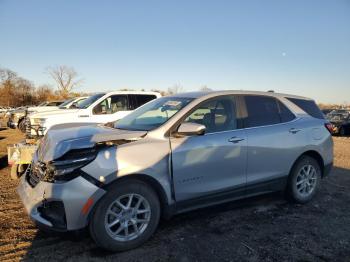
(35, 173)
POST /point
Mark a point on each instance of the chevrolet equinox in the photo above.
(175, 154)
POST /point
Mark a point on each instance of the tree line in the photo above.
(17, 91)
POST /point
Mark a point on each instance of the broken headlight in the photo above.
(67, 167)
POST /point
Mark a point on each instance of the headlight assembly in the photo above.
(67, 167)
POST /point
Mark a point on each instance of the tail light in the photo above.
(330, 127)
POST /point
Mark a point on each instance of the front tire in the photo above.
(126, 216)
(304, 180)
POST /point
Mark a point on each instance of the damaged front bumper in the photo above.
(59, 206)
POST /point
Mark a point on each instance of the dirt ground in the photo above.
(263, 228)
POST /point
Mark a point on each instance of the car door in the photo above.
(214, 162)
(110, 109)
(275, 139)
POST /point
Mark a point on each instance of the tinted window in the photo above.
(216, 115)
(308, 106)
(285, 113)
(139, 100)
(261, 111)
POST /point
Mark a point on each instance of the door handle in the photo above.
(235, 140)
(294, 130)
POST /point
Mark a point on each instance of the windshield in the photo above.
(153, 114)
(90, 100)
(65, 103)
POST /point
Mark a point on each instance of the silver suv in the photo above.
(175, 154)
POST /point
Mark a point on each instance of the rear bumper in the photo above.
(59, 207)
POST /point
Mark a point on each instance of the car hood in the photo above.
(42, 108)
(54, 113)
(63, 138)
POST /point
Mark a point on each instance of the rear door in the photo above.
(137, 100)
(274, 142)
(214, 162)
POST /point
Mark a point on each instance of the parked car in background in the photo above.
(326, 111)
(4, 110)
(340, 122)
(175, 154)
(17, 117)
(337, 112)
(98, 108)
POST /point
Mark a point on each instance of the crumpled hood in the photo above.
(63, 138)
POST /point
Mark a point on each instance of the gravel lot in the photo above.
(262, 228)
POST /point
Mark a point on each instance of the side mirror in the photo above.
(191, 129)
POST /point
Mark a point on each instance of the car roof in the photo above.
(209, 94)
(132, 93)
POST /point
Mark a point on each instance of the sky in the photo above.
(298, 47)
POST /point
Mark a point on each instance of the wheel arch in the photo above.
(313, 154)
(166, 209)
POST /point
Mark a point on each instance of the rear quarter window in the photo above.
(309, 106)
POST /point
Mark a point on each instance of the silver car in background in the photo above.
(175, 154)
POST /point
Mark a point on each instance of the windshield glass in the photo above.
(90, 100)
(65, 103)
(153, 114)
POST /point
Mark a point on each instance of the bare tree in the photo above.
(8, 86)
(65, 77)
(175, 89)
(205, 88)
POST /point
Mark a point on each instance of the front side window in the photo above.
(153, 114)
(112, 105)
(216, 115)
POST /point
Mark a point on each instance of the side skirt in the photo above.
(250, 190)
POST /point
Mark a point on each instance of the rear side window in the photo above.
(285, 113)
(139, 100)
(308, 106)
(261, 111)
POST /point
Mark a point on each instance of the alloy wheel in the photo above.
(306, 180)
(127, 217)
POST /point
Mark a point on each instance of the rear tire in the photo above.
(342, 131)
(22, 126)
(304, 180)
(137, 218)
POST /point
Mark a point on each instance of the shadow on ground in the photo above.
(254, 229)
